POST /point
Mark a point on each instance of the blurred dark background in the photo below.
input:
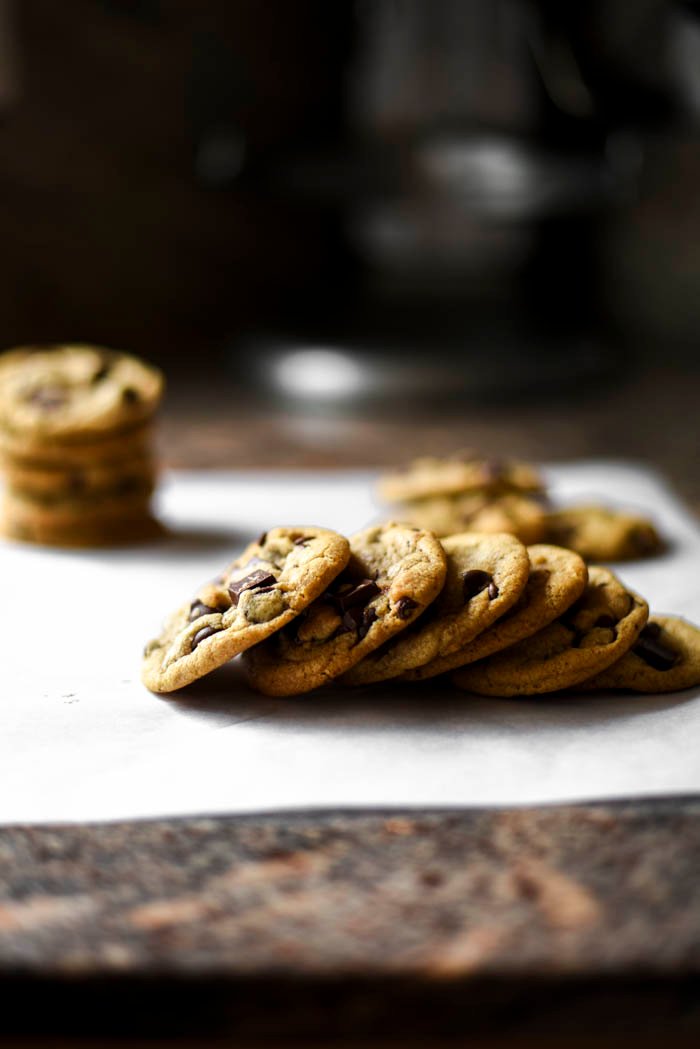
(359, 202)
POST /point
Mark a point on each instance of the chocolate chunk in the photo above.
(474, 582)
(653, 651)
(199, 609)
(405, 607)
(352, 618)
(202, 635)
(369, 616)
(130, 395)
(302, 540)
(359, 619)
(359, 594)
(261, 538)
(493, 591)
(48, 398)
(257, 579)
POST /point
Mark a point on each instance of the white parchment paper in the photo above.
(81, 739)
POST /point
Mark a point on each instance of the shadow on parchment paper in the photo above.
(225, 698)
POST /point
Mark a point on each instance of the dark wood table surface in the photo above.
(546, 926)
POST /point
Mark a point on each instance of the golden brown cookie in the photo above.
(665, 658)
(431, 476)
(486, 575)
(394, 573)
(598, 533)
(595, 632)
(272, 581)
(557, 578)
(520, 515)
(74, 391)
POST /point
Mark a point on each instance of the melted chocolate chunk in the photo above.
(202, 635)
(302, 540)
(493, 591)
(261, 538)
(474, 582)
(358, 595)
(406, 607)
(48, 398)
(653, 651)
(369, 616)
(199, 609)
(130, 395)
(254, 581)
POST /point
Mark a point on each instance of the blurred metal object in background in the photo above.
(485, 146)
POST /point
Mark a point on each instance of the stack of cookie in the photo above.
(467, 492)
(76, 428)
(305, 607)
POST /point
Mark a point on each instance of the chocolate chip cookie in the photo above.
(557, 578)
(115, 448)
(598, 533)
(75, 392)
(665, 658)
(394, 573)
(41, 482)
(520, 515)
(464, 472)
(275, 579)
(592, 635)
(486, 575)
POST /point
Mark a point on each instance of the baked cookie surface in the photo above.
(273, 580)
(486, 575)
(598, 533)
(74, 392)
(394, 573)
(591, 635)
(556, 579)
(665, 658)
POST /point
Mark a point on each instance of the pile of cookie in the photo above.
(464, 491)
(76, 427)
(306, 606)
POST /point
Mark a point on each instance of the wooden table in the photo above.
(561, 925)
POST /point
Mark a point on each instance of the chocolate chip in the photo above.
(202, 635)
(369, 616)
(130, 395)
(257, 579)
(48, 398)
(653, 651)
(199, 609)
(302, 540)
(405, 607)
(474, 582)
(261, 538)
(359, 594)
(493, 591)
